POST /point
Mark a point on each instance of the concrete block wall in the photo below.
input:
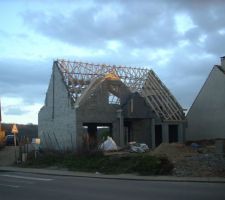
(96, 109)
(56, 120)
(136, 107)
(141, 131)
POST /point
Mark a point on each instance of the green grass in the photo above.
(142, 164)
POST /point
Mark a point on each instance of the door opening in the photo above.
(158, 135)
(173, 133)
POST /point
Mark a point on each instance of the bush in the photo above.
(147, 165)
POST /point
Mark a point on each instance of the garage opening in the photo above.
(95, 133)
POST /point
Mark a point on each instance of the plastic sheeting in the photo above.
(108, 145)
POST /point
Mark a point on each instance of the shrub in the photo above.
(142, 164)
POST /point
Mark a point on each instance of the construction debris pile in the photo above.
(191, 161)
(138, 147)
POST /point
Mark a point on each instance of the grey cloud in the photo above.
(187, 89)
(24, 71)
(135, 25)
(14, 110)
(186, 74)
(23, 78)
(29, 93)
(194, 34)
(215, 43)
(208, 16)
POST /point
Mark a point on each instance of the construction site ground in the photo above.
(196, 162)
(187, 161)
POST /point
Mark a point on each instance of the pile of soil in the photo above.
(188, 161)
(174, 151)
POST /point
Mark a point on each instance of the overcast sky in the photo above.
(180, 40)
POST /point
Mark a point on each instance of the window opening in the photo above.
(112, 99)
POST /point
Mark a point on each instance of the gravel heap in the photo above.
(201, 162)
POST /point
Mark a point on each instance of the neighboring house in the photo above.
(132, 102)
(28, 130)
(206, 117)
(2, 132)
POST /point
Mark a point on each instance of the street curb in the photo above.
(113, 177)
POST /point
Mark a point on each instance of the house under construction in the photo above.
(131, 102)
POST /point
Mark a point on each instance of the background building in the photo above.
(206, 117)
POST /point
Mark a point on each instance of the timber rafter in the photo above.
(79, 75)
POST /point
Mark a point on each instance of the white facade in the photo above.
(206, 117)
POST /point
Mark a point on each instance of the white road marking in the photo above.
(12, 186)
(27, 177)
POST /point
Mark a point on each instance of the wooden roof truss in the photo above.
(161, 99)
(78, 77)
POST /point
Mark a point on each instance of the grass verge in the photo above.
(142, 164)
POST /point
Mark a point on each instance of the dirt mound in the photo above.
(174, 151)
(188, 161)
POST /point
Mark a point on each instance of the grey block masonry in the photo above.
(56, 120)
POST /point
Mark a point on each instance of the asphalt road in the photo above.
(16, 186)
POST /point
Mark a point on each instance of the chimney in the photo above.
(222, 62)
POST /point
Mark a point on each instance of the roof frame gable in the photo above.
(80, 77)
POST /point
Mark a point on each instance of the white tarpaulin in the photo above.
(108, 145)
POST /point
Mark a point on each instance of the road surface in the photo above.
(22, 186)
